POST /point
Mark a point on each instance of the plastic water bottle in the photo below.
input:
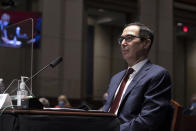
(19, 98)
(2, 87)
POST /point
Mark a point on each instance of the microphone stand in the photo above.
(33, 103)
(37, 72)
(31, 78)
(52, 64)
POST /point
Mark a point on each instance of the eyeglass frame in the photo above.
(129, 38)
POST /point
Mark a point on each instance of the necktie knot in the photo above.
(129, 71)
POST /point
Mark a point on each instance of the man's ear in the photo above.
(147, 44)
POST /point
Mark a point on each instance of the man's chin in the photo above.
(128, 58)
(125, 57)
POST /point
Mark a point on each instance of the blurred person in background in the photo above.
(63, 102)
(191, 110)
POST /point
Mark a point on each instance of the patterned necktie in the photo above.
(116, 100)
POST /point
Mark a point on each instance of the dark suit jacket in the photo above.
(145, 104)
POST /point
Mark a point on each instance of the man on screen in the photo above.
(5, 20)
(140, 94)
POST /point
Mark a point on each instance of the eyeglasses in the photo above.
(128, 38)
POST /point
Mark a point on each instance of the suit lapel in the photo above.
(137, 78)
(115, 86)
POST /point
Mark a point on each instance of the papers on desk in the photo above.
(95, 110)
(66, 109)
(71, 109)
(5, 101)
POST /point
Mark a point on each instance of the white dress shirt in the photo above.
(136, 69)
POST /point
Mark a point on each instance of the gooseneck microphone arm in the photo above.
(45, 67)
(52, 64)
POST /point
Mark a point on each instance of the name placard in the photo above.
(5, 101)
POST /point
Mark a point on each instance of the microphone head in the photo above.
(56, 61)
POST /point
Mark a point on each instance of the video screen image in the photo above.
(20, 29)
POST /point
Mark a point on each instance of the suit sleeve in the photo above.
(155, 106)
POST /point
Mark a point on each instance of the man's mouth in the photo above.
(124, 51)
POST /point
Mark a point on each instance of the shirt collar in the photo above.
(139, 65)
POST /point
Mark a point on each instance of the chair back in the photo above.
(177, 116)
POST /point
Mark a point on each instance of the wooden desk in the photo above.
(49, 120)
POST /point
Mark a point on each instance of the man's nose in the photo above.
(123, 43)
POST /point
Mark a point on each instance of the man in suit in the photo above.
(143, 104)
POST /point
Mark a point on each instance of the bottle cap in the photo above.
(1, 79)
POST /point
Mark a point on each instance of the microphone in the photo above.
(56, 62)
